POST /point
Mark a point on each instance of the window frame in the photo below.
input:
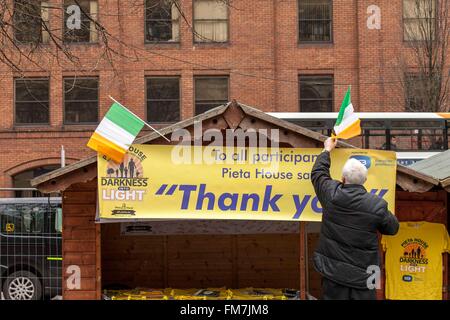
(316, 75)
(147, 99)
(162, 42)
(34, 124)
(18, 182)
(67, 42)
(210, 42)
(410, 77)
(303, 42)
(42, 40)
(64, 101)
(436, 3)
(209, 77)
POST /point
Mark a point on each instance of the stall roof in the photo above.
(232, 115)
(437, 166)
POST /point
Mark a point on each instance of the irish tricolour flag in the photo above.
(347, 124)
(116, 132)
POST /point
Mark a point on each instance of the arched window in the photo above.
(22, 180)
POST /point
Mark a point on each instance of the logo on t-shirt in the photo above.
(407, 278)
(414, 258)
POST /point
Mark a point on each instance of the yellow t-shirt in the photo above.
(414, 261)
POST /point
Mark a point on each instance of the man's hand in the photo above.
(330, 144)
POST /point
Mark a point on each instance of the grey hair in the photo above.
(354, 172)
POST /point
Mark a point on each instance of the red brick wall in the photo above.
(263, 43)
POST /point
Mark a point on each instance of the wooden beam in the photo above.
(446, 184)
(285, 136)
(418, 175)
(283, 124)
(62, 171)
(82, 174)
(233, 115)
(412, 184)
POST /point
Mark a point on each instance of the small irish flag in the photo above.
(347, 124)
(116, 132)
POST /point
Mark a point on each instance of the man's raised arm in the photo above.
(320, 174)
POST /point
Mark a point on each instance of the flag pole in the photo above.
(139, 118)
(63, 157)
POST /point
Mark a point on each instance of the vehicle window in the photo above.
(25, 219)
(58, 220)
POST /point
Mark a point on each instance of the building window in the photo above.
(31, 101)
(22, 181)
(210, 92)
(162, 21)
(316, 93)
(80, 18)
(163, 99)
(419, 20)
(210, 21)
(31, 21)
(415, 93)
(315, 20)
(80, 100)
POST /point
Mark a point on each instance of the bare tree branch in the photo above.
(424, 67)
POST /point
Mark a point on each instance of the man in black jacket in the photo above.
(351, 218)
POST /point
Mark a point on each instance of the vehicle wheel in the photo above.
(22, 285)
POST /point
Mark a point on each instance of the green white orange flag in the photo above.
(116, 132)
(347, 124)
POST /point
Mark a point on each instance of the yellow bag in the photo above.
(257, 294)
(200, 294)
(153, 294)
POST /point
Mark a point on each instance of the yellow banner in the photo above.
(175, 182)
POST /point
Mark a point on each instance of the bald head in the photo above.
(354, 172)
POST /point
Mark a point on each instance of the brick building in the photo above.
(173, 61)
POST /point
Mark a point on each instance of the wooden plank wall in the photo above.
(264, 260)
(314, 278)
(81, 239)
(429, 206)
(189, 261)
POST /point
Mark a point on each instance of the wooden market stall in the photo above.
(278, 258)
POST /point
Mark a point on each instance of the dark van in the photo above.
(30, 248)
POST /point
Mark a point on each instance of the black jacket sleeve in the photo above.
(324, 186)
(389, 223)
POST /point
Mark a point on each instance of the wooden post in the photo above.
(302, 262)
(98, 260)
(234, 264)
(166, 261)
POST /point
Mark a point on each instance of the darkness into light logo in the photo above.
(365, 160)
